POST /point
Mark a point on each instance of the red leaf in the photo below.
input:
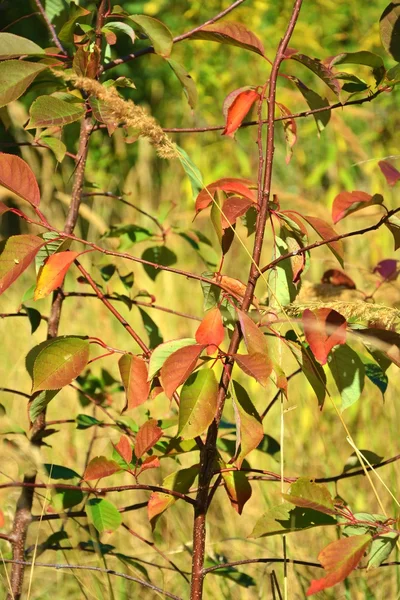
(290, 129)
(238, 488)
(178, 366)
(210, 332)
(52, 273)
(100, 467)
(18, 251)
(337, 278)
(134, 375)
(146, 437)
(346, 203)
(228, 185)
(233, 208)
(150, 462)
(2, 519)
(238, 109)
(18, 177)
(391, 174)
(4, 208)
(294, 216)
(124, 449)
(254, 339)
(229, 32)
(339, 559)
(256, 365)
(326, 232)
(387, 269)
(324, 328)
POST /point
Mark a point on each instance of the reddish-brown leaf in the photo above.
(255, 340)
(391, 174)
(324, 328)
(326, 232)
(339, 559)
(297, 261)
(236, 287)
(52, 273)
(346, 203)
(242, 187)
(388, 269)
(238, 109)
(146, 437)
(150, 462)
(210, 332)
(238, 489)
(124, 449)
(2, 519)
(100, 467)
(134, 373)
(17, 253)
(256, 365)
(18, 177)
(290, 130)
(178, 366)
(230, 32)
(338, 278)
(180, 481)
(233, 208)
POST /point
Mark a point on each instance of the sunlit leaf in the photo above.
(100, 467)
(391, 174)
(147, 436)
(255, 340)
(348, 372)
(134, 375)
(103, 515)
(317, 67)
(238, 109)
(16, 254)
(163, 351)
(308, 494)
(324, 328)
(17, 176)
(393, 224)
(178, 366)
(283, 518)
(228, 32)
(51, 275)
(198, 403)
(211, 332)
(117, 27)
(76, 14)
(368, 59)
(158, 33)
(13, 46)
(381, 548)
(58, 147)
(238, 488)
(256, 365)
(290, 130)
(180, 481)
(315, 102)
(347, 203)
(124, 448)
(191, 170)
(186, 80)
(59, 363)
(389, 29)
(241, 187)
(47, 111)
(16, 76)
(249, 425)
(326, 232)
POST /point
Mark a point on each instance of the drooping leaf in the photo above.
(308, 494)
(241, 187)
(253, 337)
(39, 403)
(312, 370)
(17, 176)
(389, 29)
(34, 317)
(348, 372)
(51, 275)
(353, 462)
(16, 254)
(233, 208)
(211, 332)
(238, 109)
(283, 518)
(103, 113)
(256, 365)
(158, 33)
(347, 203)
(16, 76)
(152, 330)
(321, 70)
(52, 244)
(384, 340)
(363, 57)
(76, 15)
(393, 224)
(249, 425)
(290, 130)
(315, 101)
(198, 403)
(47, 111)
(339, 559)
(381, 548)
(391, 174)
(193, 172)
(134, 375)
(186, 80)
(147, 436)
(59, 363)
(116, 27)
(163, 351)
(124, 448)
(228, 32)
(238, 488)
(103, 515)
(338, 278)
(100, 467)
(178, 366)
(282, 290)
(180, 481)
(58, 147)
(13, 46)
(326, 232)
(387, 269)
(160, 255)
(324, 328)
(378, 377)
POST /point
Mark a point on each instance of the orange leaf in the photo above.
(2, 519)
(150, 462)
(346, 203)
(238, 110)
(231, 185)
(178, 366)
(100, 467)
(124, 449)
(134, 375)
(324, 328)
(337, 278)
(52, 273)
(254, 339)
(326, 232)
(233, 208)
(256, 365)
(146, 437)
(238, 489)
(18, 177)
(211, 330)
(236, 287)
(339, 559)
(17, 253)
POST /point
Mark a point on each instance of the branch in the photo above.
(58, 567)
(11, 391)
(179, 38)
(50, 27)
(81, 513)
(19, 314)
(261, 560)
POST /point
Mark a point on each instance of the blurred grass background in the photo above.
(345, 156)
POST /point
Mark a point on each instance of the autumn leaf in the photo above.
(100, 467)
(391, 174)
(255, 340)
(16, 254)
(324, 328)
(52, 273)
(256, 365)
(178, 366)
(210, 332)
(338, 278)
(347, 203)
(233, 208)
(241, 187)
(238, 109)
(146, 437)
(18, 177)
(134, 374)
(124, 449)
(238, 488)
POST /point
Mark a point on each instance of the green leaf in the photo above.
(103, 515)
(54, 8)
(161, 353)
(390, 31)
(312, 370)
(283, 518)
(48, 111)
(270, 446)
(308, 494)
(198, 403)
(375, 374)
(65, 499)
(59, 363)
(189, 86)
(180, 481)
(13, 46)
(38, 404)
(160, 255)
(77, 14)
(60, 472)
(230, 573)
(193, 172)
(118, 27)
(58, 147)
(317, 67)
(280, 279)
(393, 224)
(315, 101)
(381, 547)
(54, 244)
(238, 488)
(128, 235)
(16, 76)
(127, 280)
(348, 372)
(107, 272)
(249, 425)
(158, 34)
(353, 462)
(368, 59)
(152, 330)
(34, 317)
(86, 421)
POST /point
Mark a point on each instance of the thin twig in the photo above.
(50, 27)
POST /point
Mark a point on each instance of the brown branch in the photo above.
(58, 567)
(249, 561)
(81, 513)
(50, 27)
(12, 391)
(34, 144)
(278, 393)
(179, 38)
(19, 314)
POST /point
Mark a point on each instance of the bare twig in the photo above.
(50, 27)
